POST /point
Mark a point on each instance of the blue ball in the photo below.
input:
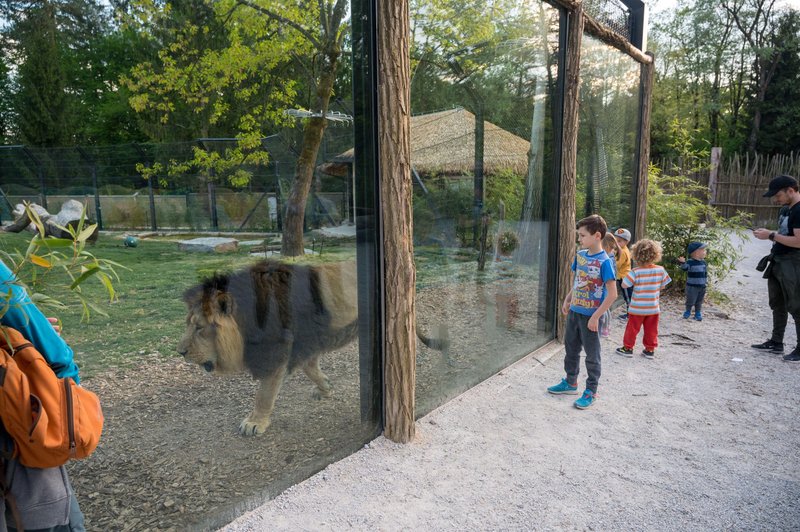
(130, 242)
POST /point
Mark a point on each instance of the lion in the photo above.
(271, 319)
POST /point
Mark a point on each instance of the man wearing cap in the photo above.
(783, 282)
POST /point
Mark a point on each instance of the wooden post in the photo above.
(394, 155)
(713, 176)
(568, 187)
(647, 73)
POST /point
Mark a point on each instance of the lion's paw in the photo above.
(253, 428)
(319, 395)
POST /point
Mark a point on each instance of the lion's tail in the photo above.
(440, 341)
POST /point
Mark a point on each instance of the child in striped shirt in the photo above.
(647, 280)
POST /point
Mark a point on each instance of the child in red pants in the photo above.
(647, 280)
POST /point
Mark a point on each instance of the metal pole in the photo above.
(93, 168)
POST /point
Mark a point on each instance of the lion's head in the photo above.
(212, 338)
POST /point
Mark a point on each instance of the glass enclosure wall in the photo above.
(608, 134)
(484, 105)
(171, 456)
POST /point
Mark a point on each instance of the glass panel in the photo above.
(608, 134)
(171, 456)
(482, 143)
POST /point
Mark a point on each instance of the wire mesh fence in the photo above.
(136, 187)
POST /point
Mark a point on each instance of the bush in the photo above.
(676, 216)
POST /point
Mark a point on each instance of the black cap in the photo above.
(779, 183)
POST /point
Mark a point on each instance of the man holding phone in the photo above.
(783, 281)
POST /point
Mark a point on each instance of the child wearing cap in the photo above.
(696, 278)
(623, 263)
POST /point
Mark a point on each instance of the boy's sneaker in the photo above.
(794, 356)
(623, 316)
(769, 345)
(698, 316)
(649, 354)
(687, 314)
(587, 399)
(563, 387)
(624, 351)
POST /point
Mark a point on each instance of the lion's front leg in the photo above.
(259, 419)
(324, 388)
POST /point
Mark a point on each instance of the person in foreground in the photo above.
(594, 289)
(783, 275)
(44, 497)
(647, 280)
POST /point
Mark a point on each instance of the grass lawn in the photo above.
(148, 315)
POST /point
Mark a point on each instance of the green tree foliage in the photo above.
(716, 62)
(780, 127)
(678, 213)
(7, 123)
(41, 100)
(64, 86)
(231, 69)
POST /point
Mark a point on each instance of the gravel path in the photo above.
(704, 437)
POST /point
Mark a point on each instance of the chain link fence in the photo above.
(109, 181)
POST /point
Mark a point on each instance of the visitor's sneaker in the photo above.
(625, 351)
(563, 387)
(794, 356)
(623, 316)
(587, 399)
(698, 316)
(687, 314)
(769, 345)
(649, 354)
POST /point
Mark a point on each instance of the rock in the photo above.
(209, 244)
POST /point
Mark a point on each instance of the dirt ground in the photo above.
(704, 437)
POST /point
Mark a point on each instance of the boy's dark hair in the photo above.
(593, 224)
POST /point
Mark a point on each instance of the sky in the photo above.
(661, 5)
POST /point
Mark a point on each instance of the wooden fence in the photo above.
(737, 182)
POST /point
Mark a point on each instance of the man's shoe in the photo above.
(624, 351)
(698, 316)
(563, 387)
(769, 345)
(687, 314)
(649, 354)
(587, 399)
(794, 356)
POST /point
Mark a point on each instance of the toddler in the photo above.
(696, 274)
(647, 280)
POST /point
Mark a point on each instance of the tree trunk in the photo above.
(566, 214)
(647, 77)
(292, 243)
(394, 149)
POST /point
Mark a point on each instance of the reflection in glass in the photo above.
(483, 167)
(608, 133)
(171, 456)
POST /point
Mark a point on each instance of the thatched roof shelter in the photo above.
(444, 143)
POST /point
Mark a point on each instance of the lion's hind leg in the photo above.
(259, 419)
(324, 387)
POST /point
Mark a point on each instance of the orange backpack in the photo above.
(50, 419)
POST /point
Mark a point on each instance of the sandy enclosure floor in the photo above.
(704, 437)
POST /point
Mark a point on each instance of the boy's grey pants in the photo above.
(577, 336)
(694, 297)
